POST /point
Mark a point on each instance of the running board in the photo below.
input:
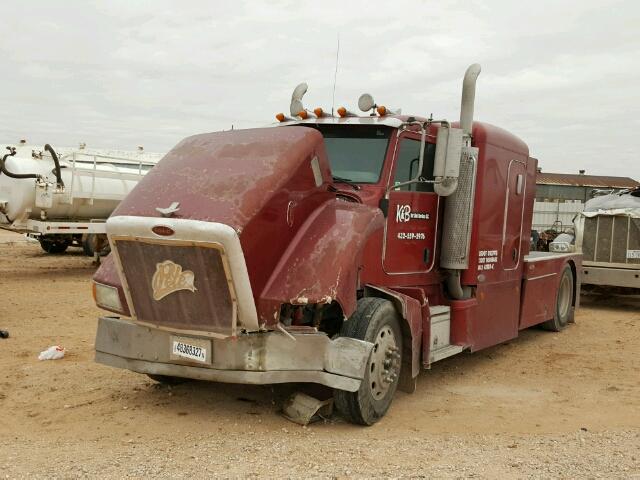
(445, 352)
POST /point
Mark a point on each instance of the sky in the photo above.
(563, 76)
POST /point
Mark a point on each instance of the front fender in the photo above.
(322, 261)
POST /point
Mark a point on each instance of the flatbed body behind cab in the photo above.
(540, 282)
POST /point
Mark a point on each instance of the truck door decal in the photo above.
(410, 232)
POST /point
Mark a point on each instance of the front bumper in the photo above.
(593, 274)
(257, 358)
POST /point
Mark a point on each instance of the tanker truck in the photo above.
(345, 250)
(63, 197)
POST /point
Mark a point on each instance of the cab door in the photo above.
(412, 215)
(513, 215)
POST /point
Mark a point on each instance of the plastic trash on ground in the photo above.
(52, 353)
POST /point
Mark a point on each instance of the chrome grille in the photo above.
(611, 239)
(204, 306)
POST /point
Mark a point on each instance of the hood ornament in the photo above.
(169, 278)
(170, 210)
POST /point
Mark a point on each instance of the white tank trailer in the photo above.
(62, 198)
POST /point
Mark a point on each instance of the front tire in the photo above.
(377, 321)
(564, 303)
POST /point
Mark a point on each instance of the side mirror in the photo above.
(446, 168)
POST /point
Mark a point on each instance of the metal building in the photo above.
(559, 196)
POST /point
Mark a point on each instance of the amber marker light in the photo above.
(342, 111)
(303, 114)
(382, 110)
(318, 111)
(280, 117)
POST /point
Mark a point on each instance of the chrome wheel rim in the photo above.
(384, 365)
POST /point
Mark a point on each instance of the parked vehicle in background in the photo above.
(608, 232)
(349, 251)
(62, 198)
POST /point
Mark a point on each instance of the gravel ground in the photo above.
(541, 406)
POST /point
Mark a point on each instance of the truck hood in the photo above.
(230, 177)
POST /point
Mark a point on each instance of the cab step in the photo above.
(440, 337)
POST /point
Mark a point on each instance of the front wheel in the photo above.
(375, 320)
(564, 303)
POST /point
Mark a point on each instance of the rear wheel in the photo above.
(564, 303)
(54, 244)
(375, 320)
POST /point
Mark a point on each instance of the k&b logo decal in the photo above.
(404, 214)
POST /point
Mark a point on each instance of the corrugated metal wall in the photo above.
(548, 215)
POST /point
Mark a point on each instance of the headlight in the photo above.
(560, 247)
(107, 297)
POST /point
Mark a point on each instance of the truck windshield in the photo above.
(356, 152)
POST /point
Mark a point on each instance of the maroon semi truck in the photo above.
(348, 251)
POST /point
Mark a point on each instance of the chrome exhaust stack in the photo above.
(468, 101)
(458, 212)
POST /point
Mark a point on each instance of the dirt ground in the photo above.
(543, 405)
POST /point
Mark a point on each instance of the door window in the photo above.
(407, 165)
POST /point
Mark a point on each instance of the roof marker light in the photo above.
(382, 110)
(303, 114)
(318, 112)
(281, 117)
(342, 112)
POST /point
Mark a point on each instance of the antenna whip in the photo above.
(335, 76)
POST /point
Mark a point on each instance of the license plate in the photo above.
(190, 348)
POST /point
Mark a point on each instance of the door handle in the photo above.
(514, 254)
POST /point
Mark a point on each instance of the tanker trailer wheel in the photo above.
(375, 320)
(564, 303)
(54, 243)
(92, 243)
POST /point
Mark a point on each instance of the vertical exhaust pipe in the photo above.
(468, 101)
(459, 206)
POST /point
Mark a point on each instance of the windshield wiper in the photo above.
(348, 181)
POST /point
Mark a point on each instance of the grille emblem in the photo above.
(169, 278)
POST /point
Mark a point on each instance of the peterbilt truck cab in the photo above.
(349, 251)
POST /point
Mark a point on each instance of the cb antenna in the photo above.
(335, 76)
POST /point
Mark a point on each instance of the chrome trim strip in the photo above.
(506, 207)
(548, 256)
(541, 276)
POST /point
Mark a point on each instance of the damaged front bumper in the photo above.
(256, 358)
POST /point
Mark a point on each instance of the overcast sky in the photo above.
(564, 76)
